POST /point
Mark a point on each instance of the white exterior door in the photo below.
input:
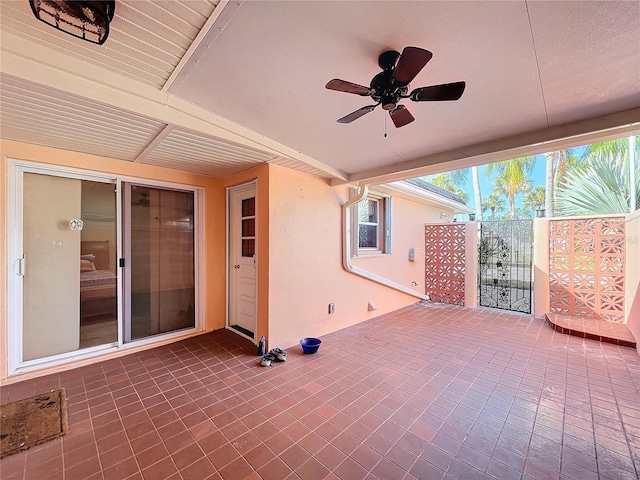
(242, 259)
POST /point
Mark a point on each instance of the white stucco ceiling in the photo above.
(255, 72)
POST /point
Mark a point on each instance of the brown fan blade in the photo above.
(343, 86)
(357, 114)
(412, 60)
(438, 93)
(401, 116)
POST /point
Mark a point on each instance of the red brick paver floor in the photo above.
(426, 392)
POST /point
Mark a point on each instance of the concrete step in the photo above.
(600, 330)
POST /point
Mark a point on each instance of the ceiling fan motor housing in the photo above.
(388, 60)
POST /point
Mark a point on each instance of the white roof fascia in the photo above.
(411, 192)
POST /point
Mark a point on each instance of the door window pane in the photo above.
(249, 207)
(248, 247)
(249, 227)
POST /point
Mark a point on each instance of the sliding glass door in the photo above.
(159, 260)
(95, 262)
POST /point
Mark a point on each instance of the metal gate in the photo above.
(505, 256)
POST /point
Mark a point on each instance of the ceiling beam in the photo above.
(570, 135)
(166, 131)
(208, 25)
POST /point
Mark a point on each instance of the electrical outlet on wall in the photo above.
(332, 308)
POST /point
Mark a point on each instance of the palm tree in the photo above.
(557, 165)
(616, 149)
(599, 186)
(476, 192)
(444, 181)
(513, 178)
(457, 178)
(548, 183)
(534, 198)
(523, 213)
(495, 203)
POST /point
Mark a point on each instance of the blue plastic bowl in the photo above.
(310, 345)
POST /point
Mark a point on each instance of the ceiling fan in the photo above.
(391, 85)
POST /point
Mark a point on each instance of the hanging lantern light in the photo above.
(88, 20)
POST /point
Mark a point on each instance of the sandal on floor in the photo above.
(267, 360)
(279, 354)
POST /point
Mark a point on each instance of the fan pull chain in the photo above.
(385, 124)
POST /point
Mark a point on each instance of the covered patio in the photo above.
(429, 391)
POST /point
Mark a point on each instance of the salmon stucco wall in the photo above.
(632, 275)
(214, 235)
(407, 231)
(540, 267)
(305, 262)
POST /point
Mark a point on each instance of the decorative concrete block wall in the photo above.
(587, 267)
(444, 255)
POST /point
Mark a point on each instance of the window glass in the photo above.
(369, 227)
(368, 235)
(368, 211)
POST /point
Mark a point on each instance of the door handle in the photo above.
(19, 266)
(236, 266)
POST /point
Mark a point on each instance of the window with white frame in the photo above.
(373, 232)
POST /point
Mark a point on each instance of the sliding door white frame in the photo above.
(15, 263)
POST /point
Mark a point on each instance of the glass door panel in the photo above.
(160, 261)
(98, 265)
(69, 247)
(51, 273)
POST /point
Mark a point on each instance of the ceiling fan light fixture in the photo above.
(389, 102)
(87, 20)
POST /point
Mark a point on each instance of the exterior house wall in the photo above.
(299, 250)
(407, 223)
(214, 237)
(632, 276)
(305, 261)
